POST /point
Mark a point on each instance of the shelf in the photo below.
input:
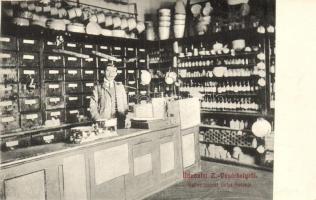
(43, 129)
(238, 54)
(235, 113)
(270, 169)
(223, 127)
(221, 78)
(230, 94)
(211, 67)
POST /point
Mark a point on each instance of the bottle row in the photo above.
(237, 124)
(218, 73)
(216, 62)
(225, 103)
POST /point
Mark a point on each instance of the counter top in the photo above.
(28, 154)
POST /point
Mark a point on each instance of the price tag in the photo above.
(73, 85)
(31, 116)
(74, 111)
(88, 72)
(53, 114)
(6, 103)
(71, 45)
(29, 72)
(104, 60)
(72, 58)
(5, 39)
(12, 143)
(28, 57)
(72, 72)
(103, 47)
(53, 72)
(54, 100)
(88, 46)
(7, 119)
(53, 86)
(30, 101)
(54, 58)
(89, 59)
(28, 41)
(142, 50)
(5, 55)
(73, 98)
(48, 137)
(89, 84)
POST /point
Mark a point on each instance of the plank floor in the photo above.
(259, 188)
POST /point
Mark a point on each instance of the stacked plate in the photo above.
(164, 23)
(179, 19)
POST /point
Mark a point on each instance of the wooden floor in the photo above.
(210, 188)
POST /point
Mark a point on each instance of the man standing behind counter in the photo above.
(109, 99)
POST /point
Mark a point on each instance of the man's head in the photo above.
(110, 72)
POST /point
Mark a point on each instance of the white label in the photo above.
(28, 41)
(142, 60)
(131, 103)
(31, 116)
(53, 86)
(29, 72)
(72, 58)
(119, 59)
(28, 57)
(88, 46)
(119, 71)
(72, 72)
(88, 109)
(73, 111)
(130, 49)
(73, 85)
(7, 119)
(6, 103)
(131, 82)
(4, 39)
(143, 92)
(12, 143)
(117, 48)
(142, 50)
(50, 43)
(130, 71)
(88, 72)
(88, 97)
(131, 93)
(103, 47)
(30, 101)
(54, 99)
(54, 58)
(55, 113)
(5, 55)
(89, 84)
(89, 59)
(104, 59)
(48, 137)
(73, 98)
(71, 45)
(53, 72)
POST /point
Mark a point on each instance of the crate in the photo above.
(28, 59)
(56, 74)
(31, 121)
(29, 104)
(48, 137)
(8, 107)
(53, 60)
(9, 123)
(54, 102)
(8, 58)
(8, 43)
(73, 87)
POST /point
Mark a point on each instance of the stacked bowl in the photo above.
(179, 19)
(164, 23)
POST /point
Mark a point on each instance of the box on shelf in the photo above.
(89, 62)
(31, 121)
(29, 90)
(8, 75)
(73, 74)
(89, 74)
(54, 74)
(53, 89)
(28, 44)
(72, 46)
(88, 87)
(8, 91)
(8, 43)
(29, 104)
(53, 60)
(28, 75)
(48, 137)
(72, 61)
(73, 101)
(28, 59)
(73, 115)
(9, 123)
(8, 58)
(15, 141)
(88, 48)
(73, 87)
(8, 107)
(54, 102)
(58, 114)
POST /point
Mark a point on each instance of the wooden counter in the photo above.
(133, 165)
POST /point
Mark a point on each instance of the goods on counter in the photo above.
(261, 127)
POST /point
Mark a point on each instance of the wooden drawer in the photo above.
(8, 75)
(8, 42)
(56, 74)
(73, 87)
(53, 60)
(73, 74)
(103, 62)
(9, 123)
(88, 87)
(54, 102)
(8, 58)
(73, 101)
(71, 61)
(72, 46)
(8, 91)
(58, 114)
(53, 89)
(29, 104)
(119, 63)
(88, 48)
(89, 74)
(130, 52)
(86, 112)
(28, 59)
(31, 121)
(131, 65)
(72, 115)
(49, 46)
(118, 51)
(104, 49)
(141, 53)
(142, 63)
(14, 142)
(8, 107)
(89, 62)
(28, 75)
(86, 100)
(48, 137)
(27, 90)
(28, 44)
(120, 77)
